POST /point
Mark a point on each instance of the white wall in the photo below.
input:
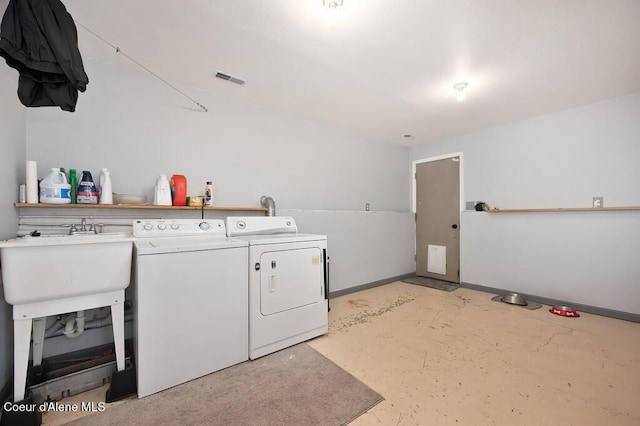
(385, 244)
(556, 160)
(12, 160)
(138, 128)
(587, 258)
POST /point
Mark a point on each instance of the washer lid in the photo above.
(177, 244)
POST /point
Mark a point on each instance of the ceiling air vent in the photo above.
(230, 78)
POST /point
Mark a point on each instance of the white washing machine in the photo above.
(191, 314)
(288, 282)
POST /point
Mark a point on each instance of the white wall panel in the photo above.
(364, 247)
(12, 168)
(138, 127)
(557, 160)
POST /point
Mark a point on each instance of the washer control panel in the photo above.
(177, 227)
(260, 225)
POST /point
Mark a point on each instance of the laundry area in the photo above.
(319, 212)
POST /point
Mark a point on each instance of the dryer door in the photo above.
(290, 279)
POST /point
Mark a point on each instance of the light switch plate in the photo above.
(598, 202)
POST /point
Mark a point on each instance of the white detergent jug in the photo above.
(163, 192)
(106, 191)
(54, 188)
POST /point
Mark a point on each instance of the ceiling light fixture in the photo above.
(460, 88)
(332, 9)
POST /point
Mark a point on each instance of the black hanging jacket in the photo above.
(39, 39)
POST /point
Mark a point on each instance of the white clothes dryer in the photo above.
(288, 282)
(191, 313)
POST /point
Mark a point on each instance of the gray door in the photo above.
(437, 219)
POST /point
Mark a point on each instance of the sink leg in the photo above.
(117, 319)
(38, 339)
(21, 340)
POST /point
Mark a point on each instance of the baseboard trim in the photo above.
(612, 313)
(338, 293)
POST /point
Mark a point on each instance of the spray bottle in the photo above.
(106, 191)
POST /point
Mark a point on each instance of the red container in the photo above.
(179, 190)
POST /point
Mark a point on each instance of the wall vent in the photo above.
(229, 78)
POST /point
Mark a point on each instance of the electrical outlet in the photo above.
(598, 202)
(367, 207)
(470, 205)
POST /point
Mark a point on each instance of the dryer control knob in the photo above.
(148, 226)
(204, 226)
(175, 226)
(162, 226)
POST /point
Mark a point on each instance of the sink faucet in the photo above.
(83, 228)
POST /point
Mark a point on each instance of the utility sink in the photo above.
(45, 268)
(49, 275)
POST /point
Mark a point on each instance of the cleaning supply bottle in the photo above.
(179, 190)
(163, 192)
(208, 194)
(87, 192)
(106, 191)
(73, 181)
(54, 188)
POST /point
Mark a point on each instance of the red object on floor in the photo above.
(564, 311)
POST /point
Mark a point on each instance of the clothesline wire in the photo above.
(118, 50)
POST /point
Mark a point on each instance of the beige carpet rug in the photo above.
(295, 386)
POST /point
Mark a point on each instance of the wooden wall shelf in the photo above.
(137, 206)
(555, 210)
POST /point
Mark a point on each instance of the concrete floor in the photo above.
(444, 358)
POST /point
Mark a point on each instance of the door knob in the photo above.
(454, 226)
